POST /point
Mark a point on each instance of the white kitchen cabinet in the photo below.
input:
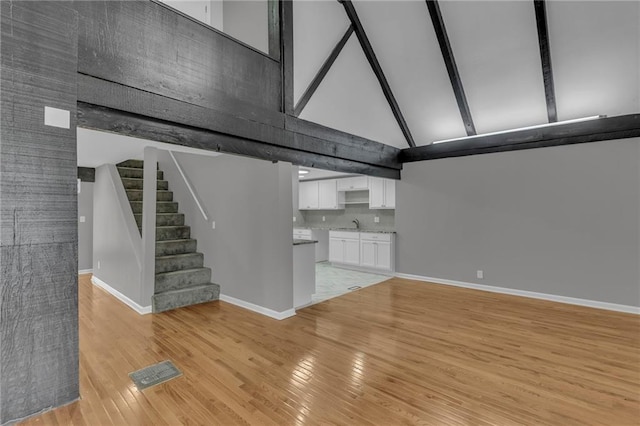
(370, 250)
(328, 198)
(308, 196)
(344, 247)
(382, 193)
(356, 183)
(320, 195)
(319, 235)
(376, 251)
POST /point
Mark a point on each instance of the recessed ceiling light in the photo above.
(303, 172)
(577, 120)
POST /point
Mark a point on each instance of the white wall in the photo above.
(562, 220)
(250, 250)
(85, 229)
(115, 256)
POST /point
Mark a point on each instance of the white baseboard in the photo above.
(532, 294)
(257, 308)
(142, 310)
(85, 271)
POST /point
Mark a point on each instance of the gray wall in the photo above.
(85, 229)
(38, 199)
(562, 220)
(344, 218)
(114, 255)
(250, 252)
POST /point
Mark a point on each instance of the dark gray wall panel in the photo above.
(38, 200)
(145, 45)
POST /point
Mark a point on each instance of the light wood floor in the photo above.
(400, 352)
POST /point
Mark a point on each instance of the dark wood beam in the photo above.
(324, 69)
(87, 174)
(110, 120)
(327, 142)
(273, 10)
(286, 55)
(450, 63)
(545, 59)
(377, 69)
(322, 72)
(620, 127)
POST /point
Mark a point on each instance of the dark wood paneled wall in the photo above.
(38, 198)
(145, 45)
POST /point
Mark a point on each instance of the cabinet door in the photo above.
(356, 183)
(352, 252)
(336, 250)
(327, 194)
(390, 193)
(383, 256)
(368, 254)
(376, 193)
(308, 195)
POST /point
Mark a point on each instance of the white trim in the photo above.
(142, 310)
(186, 182)
(532, 294)
(257, 308)
(85, 271)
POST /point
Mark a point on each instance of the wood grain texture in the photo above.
(145, 45)
(603, 129)
(267, 129)
(298, 149)
(38, 199)
(400, 352)
(286, 55)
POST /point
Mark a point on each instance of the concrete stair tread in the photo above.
(182, 290)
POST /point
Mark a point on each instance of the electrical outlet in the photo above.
(376, 219)
(294, 218)
(213, 224)
(83, 219)
(480, 274)
(323, 218)
(98, 264)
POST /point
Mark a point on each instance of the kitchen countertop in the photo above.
(375, 231)
(297, 242)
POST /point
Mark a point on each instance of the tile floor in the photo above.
(332, 282)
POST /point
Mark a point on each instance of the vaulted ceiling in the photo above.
(594, 54)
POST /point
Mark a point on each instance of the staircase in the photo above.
(181, 278)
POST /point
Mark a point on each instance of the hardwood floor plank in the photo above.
(399, 352)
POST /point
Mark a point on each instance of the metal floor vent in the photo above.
(155, 374)
(355, 287)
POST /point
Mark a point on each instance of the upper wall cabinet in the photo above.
(356, 183)
(382, 193)
(320, 195)
(308, 198)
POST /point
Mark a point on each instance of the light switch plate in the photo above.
(376, 219)
(83, 219)
(56, 117)
(213, 224)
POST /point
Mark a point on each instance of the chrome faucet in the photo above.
(357, 222)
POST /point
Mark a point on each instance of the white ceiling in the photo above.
(595, 51)
(96, 148)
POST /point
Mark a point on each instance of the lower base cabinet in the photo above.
(344, 247)
(364, 249)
